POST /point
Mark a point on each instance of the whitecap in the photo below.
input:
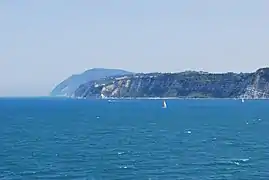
(233, 161)
(123, 167)
(244, 160)
(120, 153)
(126, 166)
(237, 163)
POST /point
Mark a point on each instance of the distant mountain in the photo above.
(68, 86)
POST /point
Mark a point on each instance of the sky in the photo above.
(43, 42)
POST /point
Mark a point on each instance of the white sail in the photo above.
(103, 96)
(164, 104)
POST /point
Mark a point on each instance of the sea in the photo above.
(61, 138)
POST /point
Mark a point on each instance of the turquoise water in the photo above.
(134, 139)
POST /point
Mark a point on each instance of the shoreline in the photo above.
(129, 98)
(167, 98)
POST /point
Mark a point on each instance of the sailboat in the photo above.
(164, 104)
(242, 100)
(103, 96)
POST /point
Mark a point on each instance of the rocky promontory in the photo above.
(182, 85)
(69, 85)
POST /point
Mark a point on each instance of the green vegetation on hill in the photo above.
(185, 84)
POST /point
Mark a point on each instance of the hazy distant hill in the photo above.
(68, 86)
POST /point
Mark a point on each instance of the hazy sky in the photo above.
(44, 41)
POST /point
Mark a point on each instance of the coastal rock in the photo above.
(182, 85)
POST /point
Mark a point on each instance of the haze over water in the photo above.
(133, 139)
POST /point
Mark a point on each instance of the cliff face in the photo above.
(185, 84)
(259, 86)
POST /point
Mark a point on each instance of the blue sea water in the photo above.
(43, 138)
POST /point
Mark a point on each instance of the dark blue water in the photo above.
(134, 139)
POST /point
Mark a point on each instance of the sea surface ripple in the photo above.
(44, 138)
